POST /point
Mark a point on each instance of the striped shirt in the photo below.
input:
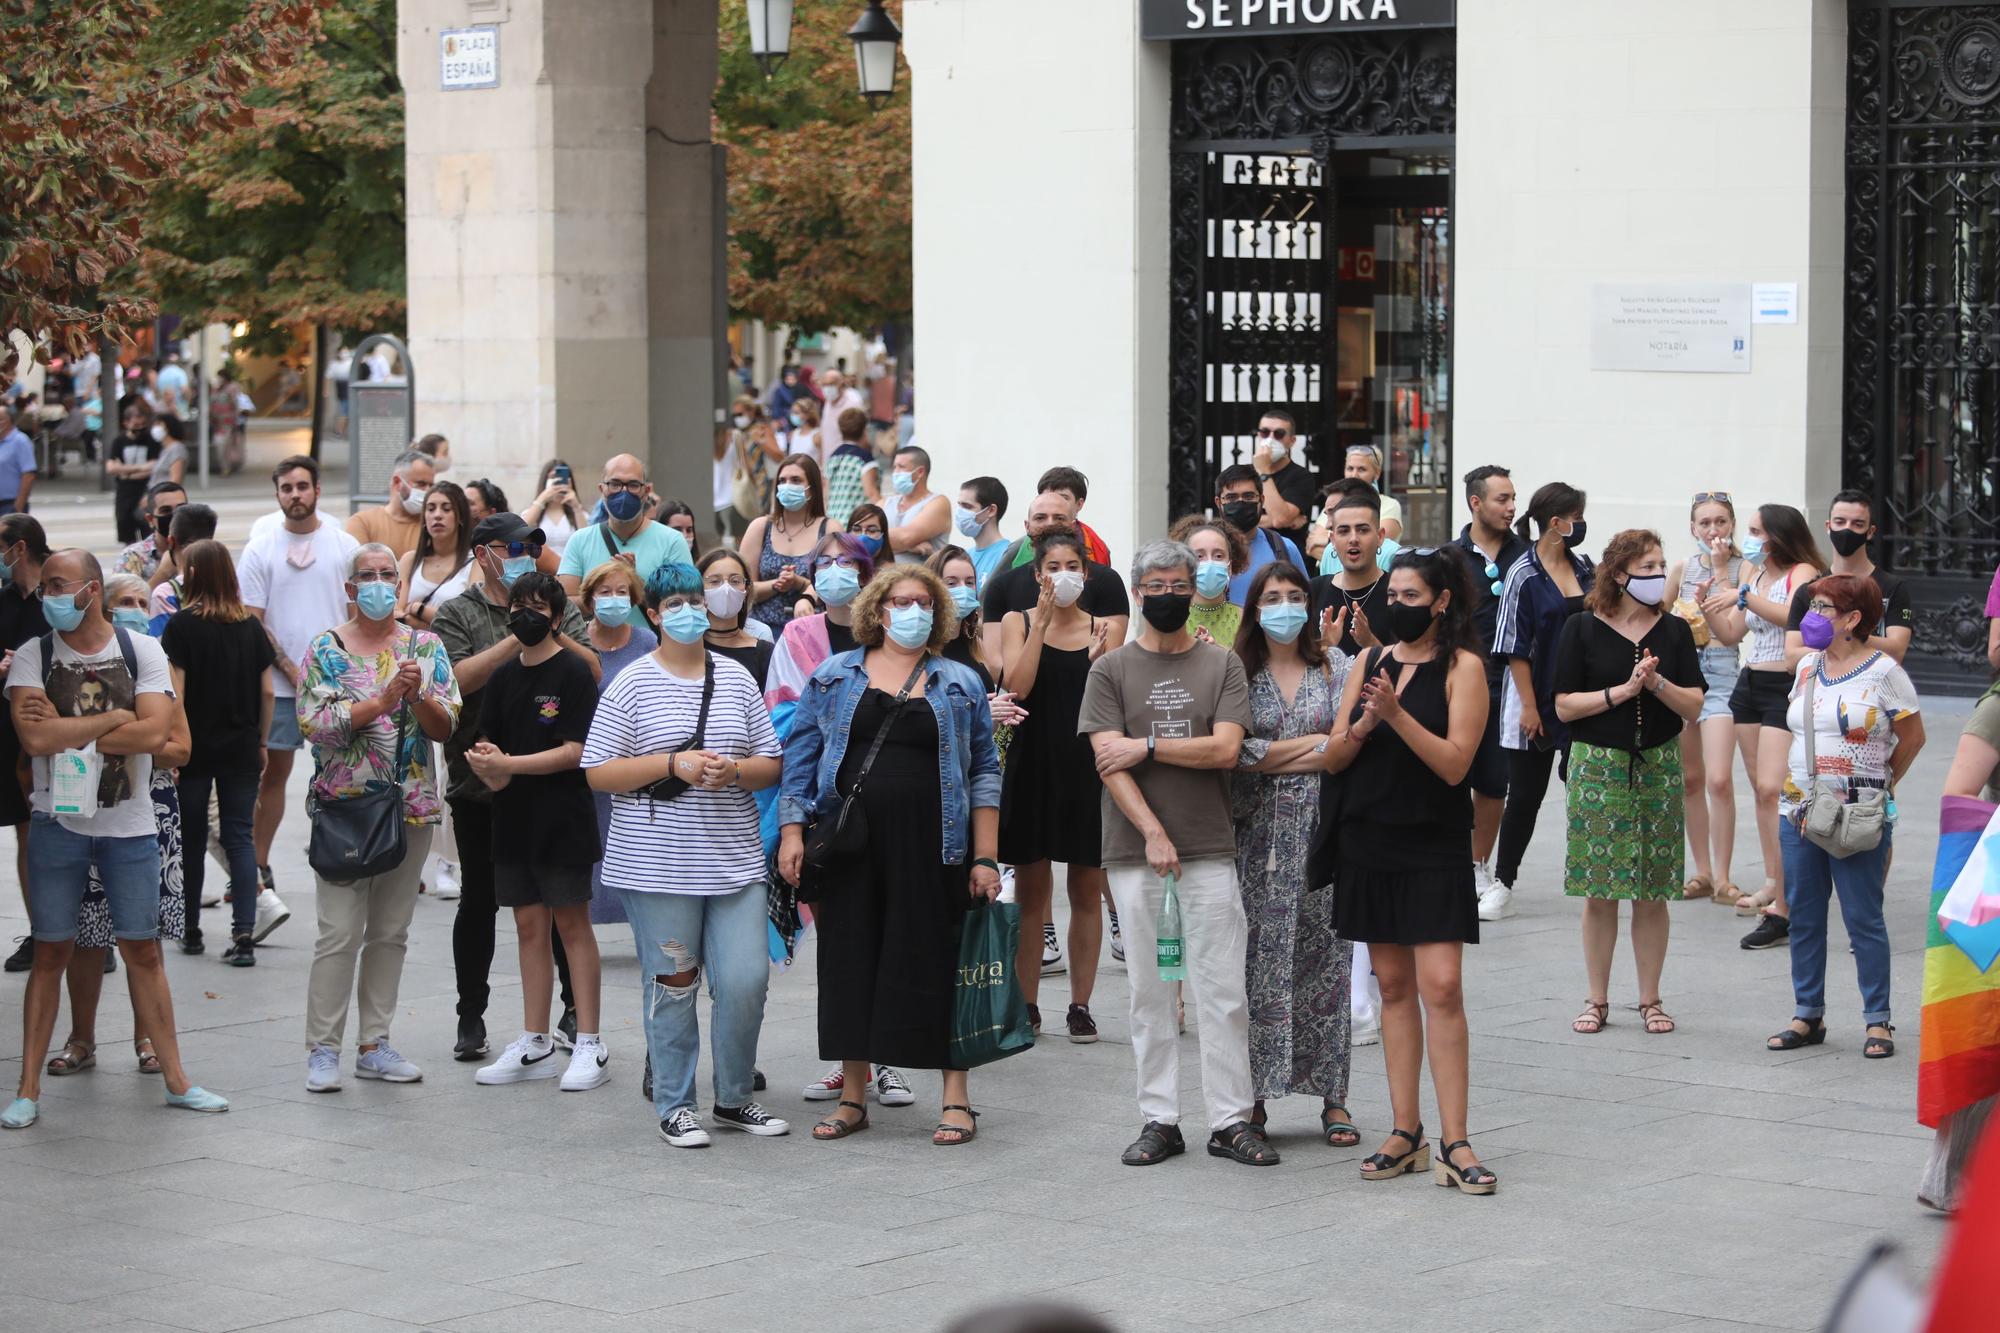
(701, 842)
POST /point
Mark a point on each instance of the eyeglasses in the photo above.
(1293, 598)
(635, 487)
(365, 576)
(1716, 497)
(904, 601)
(1175, 589)
(679, 600)
(813, 566)
(515, 550)
(1820, 606)
(718, 580)
(1269, 433)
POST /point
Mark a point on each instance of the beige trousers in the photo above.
(367, 922)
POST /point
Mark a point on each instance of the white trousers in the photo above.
(1216, 937)
(1366, 991)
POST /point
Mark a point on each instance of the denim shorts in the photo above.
(285, 733)
(59, 863)
(1718, 672)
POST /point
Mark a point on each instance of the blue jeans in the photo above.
(59, 864)
(1811, 878)
(236, 799)
(723, 935)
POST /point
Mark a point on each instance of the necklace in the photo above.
(1353, 599)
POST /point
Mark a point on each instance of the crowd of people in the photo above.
(1320, 747)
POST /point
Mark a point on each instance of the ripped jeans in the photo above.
(717, 937)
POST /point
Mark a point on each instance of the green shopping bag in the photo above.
(989, 1019)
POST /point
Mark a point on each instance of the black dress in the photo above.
(1050, 796)
(889, 926)
(1405, 835)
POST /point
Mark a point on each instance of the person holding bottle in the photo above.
(1221, 552)
(1050, 796)
(781, 542)
(1627, 681)
(1412, 715)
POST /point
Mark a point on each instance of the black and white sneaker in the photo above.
(682, 1128)
(1052, 959)
(750, 1118)
(891, 1089)
(1769, 932)
(565, 1033)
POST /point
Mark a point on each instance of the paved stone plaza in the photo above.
(1678, 1182)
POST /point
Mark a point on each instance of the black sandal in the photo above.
(1242, 1142)
(1330, 1126)
(1155, 1144)
(836, 1128)
(1879, 1048)
(964, 1135)
(1791, 1038)
(1474, 1179)
(1381, 1166)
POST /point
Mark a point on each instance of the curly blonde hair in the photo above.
(1238, 544)
(869, 621)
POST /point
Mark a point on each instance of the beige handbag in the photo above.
(1838, 822)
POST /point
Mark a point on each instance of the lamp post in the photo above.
(770, 33)
(875, 37)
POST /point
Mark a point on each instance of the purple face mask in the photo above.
(1816, 630)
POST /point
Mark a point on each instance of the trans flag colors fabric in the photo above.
(1961, 1019)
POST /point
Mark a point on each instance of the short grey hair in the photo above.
(365, 550)
(119, 584)
(1162, 554)
(401, 466)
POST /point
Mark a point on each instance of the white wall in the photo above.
(1647, 140)
(1041, 251)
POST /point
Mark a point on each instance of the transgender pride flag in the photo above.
(1961, 1018)
(1970, 913)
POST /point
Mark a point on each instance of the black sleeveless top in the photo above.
(1387, 783)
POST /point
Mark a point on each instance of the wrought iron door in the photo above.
(1921, 406)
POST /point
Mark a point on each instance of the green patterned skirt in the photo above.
(1626, 829)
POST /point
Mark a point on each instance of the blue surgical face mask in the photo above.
(613, 610)
(623, 506)
(62, 612)
(376, 600)
(904, 482)
(965, 599)
(1753, 549)
(837, 585)
(873, 544)
(513, 567)
(1211, 577)
(1283, 621)
(797, 421)
(686, 623)
(6, 568)
(910, 626)
(131, 618)
(967, 519)
(791, 496)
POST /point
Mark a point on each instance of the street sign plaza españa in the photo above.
(1170, 19)
(469, 58)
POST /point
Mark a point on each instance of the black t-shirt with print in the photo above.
(544, 819)
(1016, 590)
(1327, 592)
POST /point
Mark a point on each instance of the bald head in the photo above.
(625, 467)
(74, 572)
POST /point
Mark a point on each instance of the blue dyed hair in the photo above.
(678, 579)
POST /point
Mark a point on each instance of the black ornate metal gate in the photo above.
(1921, 409)
(1255, 124)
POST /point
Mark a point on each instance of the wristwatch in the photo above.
(1150, 750)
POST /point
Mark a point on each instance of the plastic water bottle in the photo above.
(1172, 949)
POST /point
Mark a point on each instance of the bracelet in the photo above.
(1609, 702)
(988, 862)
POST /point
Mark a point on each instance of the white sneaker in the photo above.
(1052, 959)
(323, 1070)
(1482, 878)
(827, 1089)
(271, 913)
(587, 1067)
(682, 1128)
(528, 1056)
(1367, 1033)
(387, 1064)
(211, 893)
(447, 886)
(890, 1088)
(1496, 904)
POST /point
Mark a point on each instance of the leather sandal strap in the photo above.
(967, 1109)
(859, 1106)
(1414, 1139)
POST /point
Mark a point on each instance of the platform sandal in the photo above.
(1381, 1166)
(1474, 1179)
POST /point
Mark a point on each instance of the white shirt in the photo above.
(829, 421)
(299, 582)
(95, 684)
(724, 489)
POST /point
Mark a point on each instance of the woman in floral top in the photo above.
(361, 676)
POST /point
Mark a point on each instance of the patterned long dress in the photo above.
(1298, 970)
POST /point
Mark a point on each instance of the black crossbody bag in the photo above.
(839, 834)
(358, 837)
(670, 786)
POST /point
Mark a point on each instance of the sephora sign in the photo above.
(1165, 20)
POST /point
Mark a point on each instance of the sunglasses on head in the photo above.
(1715, 497)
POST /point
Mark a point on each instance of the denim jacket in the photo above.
(968, 765)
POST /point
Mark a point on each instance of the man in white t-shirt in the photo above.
(294, 580)
(91, 719)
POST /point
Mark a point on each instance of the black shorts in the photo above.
(518, 885)
(1488, 774)
(1761, 698)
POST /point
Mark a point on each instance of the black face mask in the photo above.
(530, 627)
(1242, 515)
(1408, 623)
(1167, 612)
(1577, 532)
(1846, 541)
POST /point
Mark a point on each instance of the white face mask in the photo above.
(413, 502)
(1068, 585)
(723, 600)
(1277, 450)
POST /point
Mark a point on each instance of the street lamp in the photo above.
(875, 37)
(770, 33)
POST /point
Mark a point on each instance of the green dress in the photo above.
(1221, 621)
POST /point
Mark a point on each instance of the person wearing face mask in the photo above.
(782, 541)
(23, 548)
(376, 693)
(1287, 483)
(156, 511)
(626, 532)
(555, 508)
(476, 632)
(1410, 721)
(1853, 703)
(1221, 551)
(867, 524)
(1239, 501)
(609, 593)
(725, 590)
(221, 661)
(398, 521)
(1050, 798)
(439, 567)
(918, 517)
(129, 463)
(1298, 972)
(1540, 593)
(954, 565)
(1166, 715)
(1708, 744)
(1016, 587)
(982, 503)
(1627, 681)
(534, 714)
(1850, 526)
(849, 465)
(841, 398)
(891, 920)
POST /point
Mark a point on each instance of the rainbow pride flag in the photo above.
(1961, 1019)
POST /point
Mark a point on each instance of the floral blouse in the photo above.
(346, 764)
